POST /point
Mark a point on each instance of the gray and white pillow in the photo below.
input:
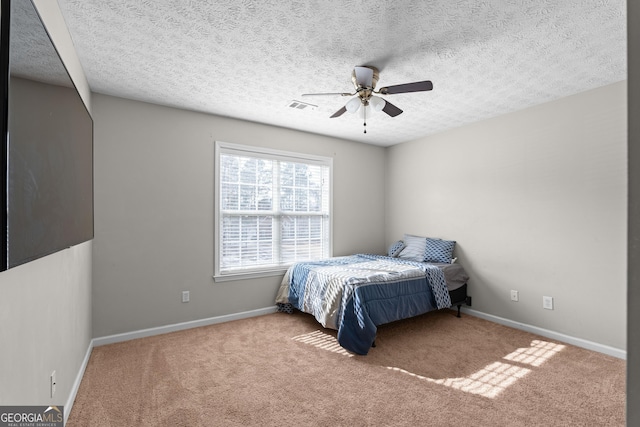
(415, 247)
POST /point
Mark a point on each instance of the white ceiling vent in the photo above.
(299, 105)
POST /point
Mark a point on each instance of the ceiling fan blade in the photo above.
(339, 112)
(364, 76)
(328, 94)
(391, 109)
(407, 87)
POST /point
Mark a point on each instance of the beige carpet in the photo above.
(285, 370)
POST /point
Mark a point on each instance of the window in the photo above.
(272, 209)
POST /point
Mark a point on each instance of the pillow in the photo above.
(438, 250)
(415, 247)
(396, 248)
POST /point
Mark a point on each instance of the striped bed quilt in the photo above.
(354, 294)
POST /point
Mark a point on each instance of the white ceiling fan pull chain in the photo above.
(365, 118)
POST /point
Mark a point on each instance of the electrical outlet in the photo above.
(514, 295)
(185, 296)
(52, 383)
(547, 303)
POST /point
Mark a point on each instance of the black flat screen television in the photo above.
(47, 141)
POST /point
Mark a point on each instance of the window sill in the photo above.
(247, 275)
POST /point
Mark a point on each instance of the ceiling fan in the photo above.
(364, 80)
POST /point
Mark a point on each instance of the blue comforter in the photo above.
(354, 294)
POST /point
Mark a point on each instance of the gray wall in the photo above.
(633, 319)
(154, 211)
(537, 203)
(45, 308)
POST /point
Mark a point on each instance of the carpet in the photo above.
(285, 369)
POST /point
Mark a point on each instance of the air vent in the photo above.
(299, 105)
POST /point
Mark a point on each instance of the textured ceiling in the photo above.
(249, 59)
(32, 54)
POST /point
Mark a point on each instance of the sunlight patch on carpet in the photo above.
(489, 381)
(537, 354)
(496, 377)
(324, 341)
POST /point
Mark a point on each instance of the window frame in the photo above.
(267, 153)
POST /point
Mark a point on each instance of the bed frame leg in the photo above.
(459, 305)
(374, 343)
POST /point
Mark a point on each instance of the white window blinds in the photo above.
(273, 208)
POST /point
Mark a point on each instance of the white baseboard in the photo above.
(110, 339)
(76, 384)
(579, 342)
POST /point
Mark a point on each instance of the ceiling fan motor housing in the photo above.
(365, 92)
(374, 80)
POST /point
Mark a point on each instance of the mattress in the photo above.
(454, 275)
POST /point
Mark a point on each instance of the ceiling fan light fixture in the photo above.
(377, 103)
(353, 105)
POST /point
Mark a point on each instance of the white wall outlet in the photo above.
(547, 302)
(52, 383)
(185, 296)
(514, 295)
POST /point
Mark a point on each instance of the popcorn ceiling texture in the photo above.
(32, 54)
(249, 59)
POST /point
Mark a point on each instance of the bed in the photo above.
(355, 294)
